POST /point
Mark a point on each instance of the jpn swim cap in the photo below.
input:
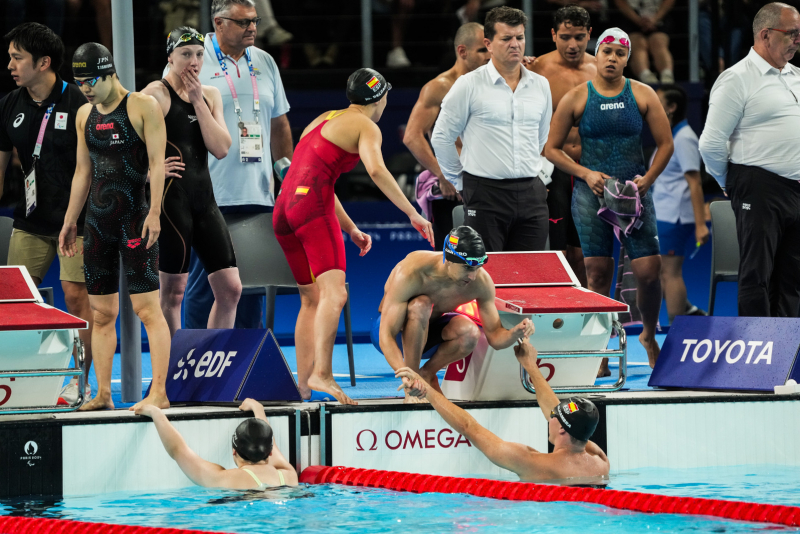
(464, 245)
(614, 36)
(578, 416)
(91, 60)
(366, 86)
(252, 440)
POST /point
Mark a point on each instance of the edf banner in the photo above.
(221, 365)
(738, 353)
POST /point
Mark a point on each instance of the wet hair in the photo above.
(675, 94)
(39, 41)
(252, 440)
(222, 6)
(504, 15)
(769, 16)
(572, 15)
(466, 34)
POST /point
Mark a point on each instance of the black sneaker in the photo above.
(694, 310)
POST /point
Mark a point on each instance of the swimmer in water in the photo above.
(259, 463)
(571, 423)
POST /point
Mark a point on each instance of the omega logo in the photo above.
(428, 439)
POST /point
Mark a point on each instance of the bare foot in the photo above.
(101, 402)
(652, 348)
(160, 401)
(329, 386)
(604, 370)
(410, 399)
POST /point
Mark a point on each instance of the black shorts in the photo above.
(559, 203)
(190, 219)
(435, 329)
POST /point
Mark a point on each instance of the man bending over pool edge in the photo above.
(571, 423)
(420, 298)
(259, 463)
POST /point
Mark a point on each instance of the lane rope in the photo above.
(524, 491)
(38, 525)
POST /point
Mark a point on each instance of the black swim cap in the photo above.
(465, 245)
(366, 86)
(91, 60)
(183, 36)
(252, 440)
(578, 416)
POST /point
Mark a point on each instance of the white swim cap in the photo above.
(614, 36)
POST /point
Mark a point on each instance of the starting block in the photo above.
(36, 345)
(573, 328)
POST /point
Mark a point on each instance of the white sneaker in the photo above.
(69, 393)
(647, 76)
(278, 36)
(397, 59)
(667, 76)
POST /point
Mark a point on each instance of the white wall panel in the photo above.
(703, 434)
(393, 436)
(123, 457)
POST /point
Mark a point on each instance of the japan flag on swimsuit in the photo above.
(114, 136)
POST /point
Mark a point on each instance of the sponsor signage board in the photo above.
(228, 366)
(736, 353)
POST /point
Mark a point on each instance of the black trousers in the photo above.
(767, 210)
(442, 219)
(510, 215)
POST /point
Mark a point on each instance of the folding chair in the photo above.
(724, 248)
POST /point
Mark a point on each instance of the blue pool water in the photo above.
(350, 509)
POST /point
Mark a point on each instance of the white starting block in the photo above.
(573, 328)
(36, 345)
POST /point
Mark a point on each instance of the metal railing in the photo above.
(621, 353)
(32, 373)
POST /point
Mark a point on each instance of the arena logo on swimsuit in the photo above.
(107, 126)
(431, 438)
(613, 105)
(735, 350)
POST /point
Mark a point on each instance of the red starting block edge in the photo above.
(23, 315)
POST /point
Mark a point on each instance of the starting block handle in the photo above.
(622, 354)
(71, 371)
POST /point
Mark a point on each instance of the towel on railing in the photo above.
(620, 206)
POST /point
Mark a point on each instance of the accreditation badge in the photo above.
(30, 190)
(251, 149)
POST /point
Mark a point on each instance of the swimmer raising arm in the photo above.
(211, 475)
(570, 458)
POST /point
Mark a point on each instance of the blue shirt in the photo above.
(671, 190)
(236, 183)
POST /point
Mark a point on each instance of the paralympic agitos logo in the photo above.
(367, 440)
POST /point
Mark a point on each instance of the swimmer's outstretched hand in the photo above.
(151, 229)
(423, 227)
(413, 384)
(526, 353)
(252, 405)
(523, 329)
(361, 240)
(146, 409)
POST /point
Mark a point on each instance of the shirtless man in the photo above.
(259, 463)
(566, 67)
(417, 310)
(471, 53)
(571, 423)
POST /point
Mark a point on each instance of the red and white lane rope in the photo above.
(522, 491)
(36, 525)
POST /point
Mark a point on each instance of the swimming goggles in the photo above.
(472, 262)
(186, 37)
(91, 83)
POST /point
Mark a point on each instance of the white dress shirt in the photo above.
(756, 108)
(502, 131)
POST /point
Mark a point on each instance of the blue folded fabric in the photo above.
(320, 396)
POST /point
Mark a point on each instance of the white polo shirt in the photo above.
(671, 190)
(236, 183)
(503, 131)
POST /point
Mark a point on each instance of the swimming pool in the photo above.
(346, 509)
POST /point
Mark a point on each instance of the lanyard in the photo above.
(224, 67)
(37, 149)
